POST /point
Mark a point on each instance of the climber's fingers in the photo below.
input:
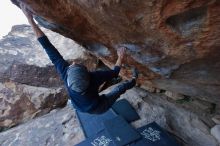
(121, 52)
(27, 13)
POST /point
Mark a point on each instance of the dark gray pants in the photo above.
(108, 100)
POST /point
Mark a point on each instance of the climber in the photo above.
(82, 85)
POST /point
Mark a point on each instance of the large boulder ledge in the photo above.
(29, 84)
(174, 44)
(61, 127)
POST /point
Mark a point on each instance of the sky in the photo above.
(9, 15)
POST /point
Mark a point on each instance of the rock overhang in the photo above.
(174, 44)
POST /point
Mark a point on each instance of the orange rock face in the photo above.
(174, 44)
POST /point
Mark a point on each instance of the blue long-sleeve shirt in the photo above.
(91, 98)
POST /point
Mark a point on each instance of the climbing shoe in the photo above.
(134, 73)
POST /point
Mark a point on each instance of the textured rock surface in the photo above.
(216, 119)
(215, 131)
(185, 124)
(20, 102)
(174, 44)
(60, 127)
(29, 85)
(174, 96)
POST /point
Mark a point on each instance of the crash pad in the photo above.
(100, 139)
(153, 135)
(93, 124)
(120, 131)
(125, 109)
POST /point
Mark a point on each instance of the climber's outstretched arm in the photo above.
(38, 32)
(103, 76)
(51, 51)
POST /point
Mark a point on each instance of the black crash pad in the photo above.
(100, 139)
(153, 135)
(120, 131)
(93, 124)
(125, 109)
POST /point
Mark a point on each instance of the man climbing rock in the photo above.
(82, 85)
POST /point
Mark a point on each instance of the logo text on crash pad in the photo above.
(101, 141)
(151, 134)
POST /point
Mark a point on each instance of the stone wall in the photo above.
(29, 84)
(174, 44)
(61, 127)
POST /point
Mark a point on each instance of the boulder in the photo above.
(59, 127)
(174, 96)
(148, 88)
(215, 131)
(174, 44)
(185, 125)
(216, 119)
(29, 84)
(20, 103)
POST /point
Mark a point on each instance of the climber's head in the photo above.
(78, 78)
